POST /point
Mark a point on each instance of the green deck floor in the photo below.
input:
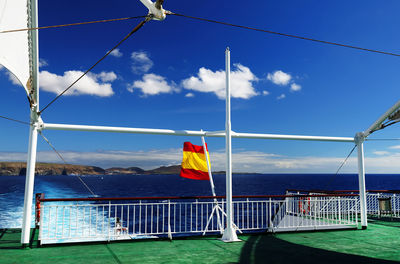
(380, 243)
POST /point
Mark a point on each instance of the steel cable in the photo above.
(286, 35)
(65, 163)
(340, 167)
(72, 24)
(15, 120)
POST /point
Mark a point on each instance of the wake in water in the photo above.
(12, 187)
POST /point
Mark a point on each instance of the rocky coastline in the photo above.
(19, 168)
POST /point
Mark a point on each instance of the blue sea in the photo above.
(12, 187)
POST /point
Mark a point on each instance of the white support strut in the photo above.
(380, 120)
(359, 138)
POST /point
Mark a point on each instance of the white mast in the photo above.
(31, 161)
(229, 232)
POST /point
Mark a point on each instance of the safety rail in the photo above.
(108, 219)
(319, 212)
(379, 202)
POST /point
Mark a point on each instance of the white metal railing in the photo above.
(317, 212)
(102, 220)
(373, 207)
(372, 196)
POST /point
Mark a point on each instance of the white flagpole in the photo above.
(216, 207)
(208, 166)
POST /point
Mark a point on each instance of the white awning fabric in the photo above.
(14, 47)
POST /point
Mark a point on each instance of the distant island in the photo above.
(19, 168)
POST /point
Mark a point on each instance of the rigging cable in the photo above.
(211, 21)
(65, 163)
(340, 167)
(102, 58)
(15, 120)
(73, 24)
(382, 139)
(286, 35)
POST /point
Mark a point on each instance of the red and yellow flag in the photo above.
(194, 164)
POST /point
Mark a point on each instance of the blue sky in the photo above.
(168, 75)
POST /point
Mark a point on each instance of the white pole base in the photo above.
(230, 235)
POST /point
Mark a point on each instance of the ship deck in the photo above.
(379, 243)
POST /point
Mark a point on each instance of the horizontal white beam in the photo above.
(170, 132)
(292, 137)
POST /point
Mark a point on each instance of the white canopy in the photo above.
(14, 47)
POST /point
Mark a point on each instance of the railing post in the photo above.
(270, 215)
(340, 211)
(41, 229)
(109, 220)
(169, 220)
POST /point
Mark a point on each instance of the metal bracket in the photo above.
(359, 138)
(155, 9)
(40, 124)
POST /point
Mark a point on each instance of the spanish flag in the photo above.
(194, 164)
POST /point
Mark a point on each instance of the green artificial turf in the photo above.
(379, 243)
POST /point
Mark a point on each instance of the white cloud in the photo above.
(43, 63)
(116, 53)
(107, 76)
(265, 93)
(153, 84)
(395, 147)
(280, 97)
(381, 153)
(189, 95)
(91, 84)
(141, 63)
(279, 77)
(208, 81)
(294, 87)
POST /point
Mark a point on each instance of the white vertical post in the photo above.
(229, 232)
(31, 160)
(359, 139)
